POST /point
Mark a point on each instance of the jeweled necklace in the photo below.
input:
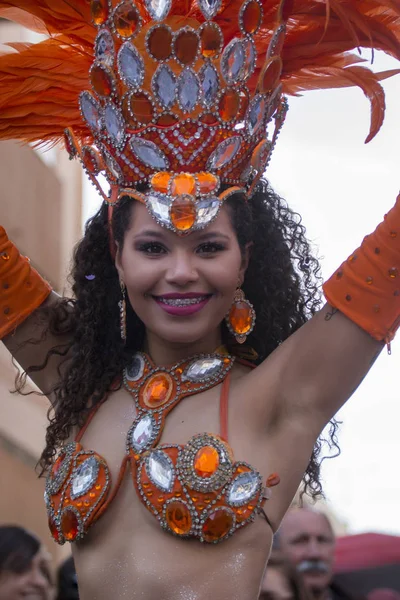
(157, 390)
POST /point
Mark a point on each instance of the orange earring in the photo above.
(241, 317)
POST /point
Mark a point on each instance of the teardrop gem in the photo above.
(164, 86)
(207, 210)
(143, 433)
(204, 368)
(209, 84)
(99, 9)
(70, 145)
(188, 90)
(85, 477)
(142, 108)
(126, 19)
(269, 77)
(183, 213)
(229, 105)
(130, 65)
(178, 518)
(211, 40)
(91, 160)
(251, 16)
(218, 525)
(149, 153)
(159, 205)
(249, 58)
(240, 317)
(209, 8)
(232, 61)
(224, 153)
(160, 470)
(159, 42)
(104, 48)
(243, 488)
(186, 46)
(206, 461)
(114, 124)
(90, 110)
(102, 79)
(276, 44)
(113, 167)
(256, 114)
(158, 390)
(69, 525)
(158, 9)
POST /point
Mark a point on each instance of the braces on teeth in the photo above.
(182, 301)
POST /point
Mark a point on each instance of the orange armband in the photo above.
(22, 289)
(366, 288)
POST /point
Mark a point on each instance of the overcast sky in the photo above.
(342, 188)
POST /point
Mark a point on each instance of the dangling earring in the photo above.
(122, 312)
(241, 317)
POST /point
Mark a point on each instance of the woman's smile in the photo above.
(182, 305)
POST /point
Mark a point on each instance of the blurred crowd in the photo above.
(301, 565)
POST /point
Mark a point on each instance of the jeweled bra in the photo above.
(194, 490)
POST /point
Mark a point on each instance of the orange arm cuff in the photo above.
(366, 288)
(22, 289)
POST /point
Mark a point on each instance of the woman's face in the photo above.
(180, 287)
(33, 584)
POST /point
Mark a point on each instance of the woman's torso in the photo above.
(126, 554)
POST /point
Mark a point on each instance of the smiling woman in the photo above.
(192, 355)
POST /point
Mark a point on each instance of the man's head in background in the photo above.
(307, 540)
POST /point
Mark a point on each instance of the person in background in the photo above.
(307, 540)
(67, 581)
(25, 571)
(281, 582)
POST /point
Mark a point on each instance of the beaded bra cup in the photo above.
(194, 490)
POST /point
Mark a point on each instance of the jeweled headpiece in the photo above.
(179, 102)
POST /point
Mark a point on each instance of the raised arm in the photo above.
(23, 291)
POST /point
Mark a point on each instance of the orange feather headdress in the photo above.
(182, 96)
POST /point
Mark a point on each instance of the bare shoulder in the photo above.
(41, 341)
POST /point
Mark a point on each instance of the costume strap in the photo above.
(366, 287)
(23, 290)
(223, 407)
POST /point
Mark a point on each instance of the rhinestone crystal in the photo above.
(207, 210)
(114, 124)
(256, 113)
(159, 204)
(183, 213)
(149, 153)
(224, 153)
(211, 40)
(102, 79)
(130, 65)
(112, 166)
(251, 15)
(218, 525)
(90, 111)
(186, 46)
(243, 488)
(160, 469)
(159, 42)
(104, 48)
(232, 61)
(141, 108)
(202, 369)
(158, 390)
(178, 517)
(209, 84)
(164, 86)
(69, 525)
(85, 477)
(126, 19)
(136, 368)
(209, 8)
(143, 433)
(99, 9)
(206, 461)
(158, 9)
(188, 90)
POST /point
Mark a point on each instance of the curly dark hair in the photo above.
(281, 282)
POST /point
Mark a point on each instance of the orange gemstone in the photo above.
(160, 181)
(178, 518)
(54, 530)
(184, 183)
(158, 390)
(69, 525)
(99, 10)
(167, 119)
(142, 107)
(160, 42)
(69, 143)
(273, 480)
(211, 40)
(186, 46)
(102, 80)
(251, 17)
(206, 461)
(270, 75)
(126, 19)
(229, 104)
(183, 213)
(217, 525)
(393, 272)
(244, 103)
(208, 119)
(207, 182)
(240, 317)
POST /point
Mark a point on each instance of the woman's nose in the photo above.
(181, 269)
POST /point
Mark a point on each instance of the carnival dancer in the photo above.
(191, 373)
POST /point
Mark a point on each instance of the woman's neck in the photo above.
(165, 353)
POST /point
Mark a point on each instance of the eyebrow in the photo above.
(155, 233)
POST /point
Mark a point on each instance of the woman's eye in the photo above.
(151, 248)
(210, 248)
